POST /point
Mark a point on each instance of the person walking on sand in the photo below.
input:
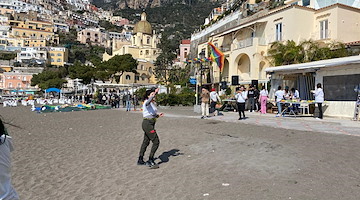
(6, 189)
(150, 114)
(241, 99)
(319, 99)
(214, 98)
(205, 97)
(263, 99)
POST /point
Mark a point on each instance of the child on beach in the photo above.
(148, 125)
(6, 189)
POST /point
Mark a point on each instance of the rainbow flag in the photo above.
(217, 56)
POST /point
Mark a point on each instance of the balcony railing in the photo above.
(244, 43)
(225, 49)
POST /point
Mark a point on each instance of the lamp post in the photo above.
(201, 56)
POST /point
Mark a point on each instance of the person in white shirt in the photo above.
(263, 99)
(295, 94)
(214, 99)
(319, 99)
(150, 114)
(241, 97)
(279, 95)
(6, 189)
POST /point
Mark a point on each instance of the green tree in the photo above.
(306, 51)
(68, 38)
(48, 79)
(115, 67)
(81, 71)
(164, 62)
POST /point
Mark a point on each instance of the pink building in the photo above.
(184, 50)
(21, 82)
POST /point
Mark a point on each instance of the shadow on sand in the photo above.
(164, 157)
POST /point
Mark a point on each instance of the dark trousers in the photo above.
(320, 110)
(212, 106)
(252, 104)
(150, 134)
(241, 108)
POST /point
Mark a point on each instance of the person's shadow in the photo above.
(164, 157)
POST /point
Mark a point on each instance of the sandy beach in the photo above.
(89, 155)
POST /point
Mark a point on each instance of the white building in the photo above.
(37, 54)
(20, 6)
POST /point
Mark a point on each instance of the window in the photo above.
(19, 85)
(141, 52)
(52, 54)
(128, 77)
(278, 33)
(58, 60)
(52, 60)
(147, 52)
(59, 54)
(305, 2)
(324, 32)
(137, 78)
(24, 78)
(10, 85)
(252, 34)
(148, 40)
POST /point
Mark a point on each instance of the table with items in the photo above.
(295, 107)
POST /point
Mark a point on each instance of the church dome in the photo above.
(143, 26)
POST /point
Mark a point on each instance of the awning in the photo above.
(313, 66)
(244, 25)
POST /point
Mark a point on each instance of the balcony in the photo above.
(225, 49)
(248, 42)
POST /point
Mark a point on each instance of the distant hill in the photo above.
(172, 17)
(141, 4)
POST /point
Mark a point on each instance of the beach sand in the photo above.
(92, 155)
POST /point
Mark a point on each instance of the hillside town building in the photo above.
(143, 46)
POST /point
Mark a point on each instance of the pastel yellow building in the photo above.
(34, 30)
(58, 56)
(245, 45)
(143, 47)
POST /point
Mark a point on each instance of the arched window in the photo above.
(148, 40)
(52, 54)
(59, 54)
(141, 52)
(58, 60)
(137, 78)
(128, 77)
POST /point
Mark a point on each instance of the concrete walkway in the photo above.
(302, 123)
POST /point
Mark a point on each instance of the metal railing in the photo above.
(244, 43)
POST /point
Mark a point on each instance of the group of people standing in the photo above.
(257, 100)
(209, 99)
(294, 94)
